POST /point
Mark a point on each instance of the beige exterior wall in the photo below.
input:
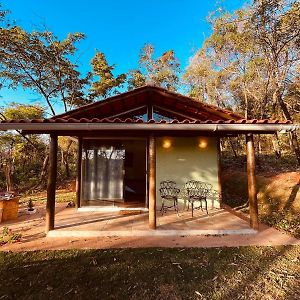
(184, 160)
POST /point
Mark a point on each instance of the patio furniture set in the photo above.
(196, 191)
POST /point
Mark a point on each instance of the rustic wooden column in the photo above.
(252, 193)
(51, 184)
(152, 181)
(78, 177)
(219, 170)
(149, 111)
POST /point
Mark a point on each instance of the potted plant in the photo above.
(30, 208)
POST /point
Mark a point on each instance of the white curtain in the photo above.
(102, 173)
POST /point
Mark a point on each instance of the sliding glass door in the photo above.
(114, 173)
(103, 172)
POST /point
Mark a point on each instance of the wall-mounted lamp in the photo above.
(166, 143)
(202, 143)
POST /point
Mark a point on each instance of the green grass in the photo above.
(218, 273)
(61, 196)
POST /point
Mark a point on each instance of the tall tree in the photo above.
(251, 60)
(108, 84)
(19, 153)
(225, 71)
(162, 71)
(277, 30)
(40, 62)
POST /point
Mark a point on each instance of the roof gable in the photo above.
(151, 100)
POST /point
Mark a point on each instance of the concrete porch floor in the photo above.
(72, 223)
(32, 228)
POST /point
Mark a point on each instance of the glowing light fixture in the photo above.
(166, 143)
(202, 144)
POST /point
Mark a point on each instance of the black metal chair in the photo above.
(214, 195)
(169, 192)
(197, 191)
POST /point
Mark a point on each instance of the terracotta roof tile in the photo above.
(151, 121)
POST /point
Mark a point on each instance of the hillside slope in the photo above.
(278, 197)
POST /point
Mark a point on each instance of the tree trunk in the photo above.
(43, 172)
(258, 156)
(276, 146)
(246, 102)
(45, 166)
(293, 136)
(232, 147)
(8, 177)
(259, 145)
(65, 158)
(295, 145)
(67, 167)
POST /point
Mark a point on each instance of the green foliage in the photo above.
(107, 84)
(251, 60)
(162, 71)
(23, 160)
(8, 236)
(20, 157)
(40, 62)
(22, 111)
(136, 79)
(62, 196)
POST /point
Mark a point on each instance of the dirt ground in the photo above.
(33, 237)
(276, 192)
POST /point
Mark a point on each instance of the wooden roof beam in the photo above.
(174, 113)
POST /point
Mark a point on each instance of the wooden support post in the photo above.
(252, 193)
(78, 177)
(152, 181)
(219, 170)
(149, 111)
(51, 184)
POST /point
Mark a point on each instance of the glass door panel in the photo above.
(102, 172)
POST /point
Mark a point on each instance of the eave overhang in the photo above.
(153, 127)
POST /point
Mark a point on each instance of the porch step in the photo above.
(144, 233)
(134, 210)
(130, 212)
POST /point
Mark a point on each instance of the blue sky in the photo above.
(118, 28)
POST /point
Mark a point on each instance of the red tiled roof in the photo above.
(155, 96)
(129, 120)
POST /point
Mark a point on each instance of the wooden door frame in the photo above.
(125, 138)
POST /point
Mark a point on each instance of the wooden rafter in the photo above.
(150, 96)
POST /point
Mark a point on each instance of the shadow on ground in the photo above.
(153, 273)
